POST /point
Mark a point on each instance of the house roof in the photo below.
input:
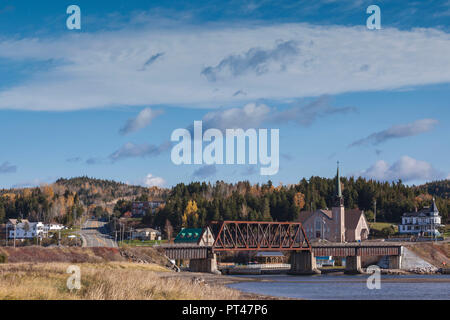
(352, 216)
(305, 215)
(189, 235)
(425, 211)
(15, 221)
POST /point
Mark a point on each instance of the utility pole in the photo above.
(323, 228)
(375, 210)
(15, 229)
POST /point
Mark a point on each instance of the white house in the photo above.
(145, 234)
(425, 221)
(24, 229)
(54, 227)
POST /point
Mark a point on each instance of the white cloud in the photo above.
(252, 115)
(406, 169)
(143, 119)
(91, 70)
(249, 116)
(152, 181)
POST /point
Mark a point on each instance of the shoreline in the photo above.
(226, 280)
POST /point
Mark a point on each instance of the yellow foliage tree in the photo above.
(48, 192)
(27, 193)
(299, 200)
(190, 213)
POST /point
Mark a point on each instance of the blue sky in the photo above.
(103, 101)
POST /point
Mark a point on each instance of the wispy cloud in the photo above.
(131, 150)
(249, 171)
(205, 171)
(74, 159)
(406, 168)
(6, 167)
(151, 60)
(312, 59)
(249, 116)
(96, 160)
(256, 60)
(305, 115)
(142, 120)
(397, 131)
(253, 115)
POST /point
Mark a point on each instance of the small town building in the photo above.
(326, 261)
(270, 257)
(24, 229)
(54, 227)
(140, 208)
(424, 222)
(201, 237)
(336, 225)
(146, 234)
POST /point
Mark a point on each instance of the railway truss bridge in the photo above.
(277, 236)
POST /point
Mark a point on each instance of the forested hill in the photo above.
(197, 203)
(67, 199)
(437, 188)
(97, 191)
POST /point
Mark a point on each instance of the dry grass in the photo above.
(102, 281)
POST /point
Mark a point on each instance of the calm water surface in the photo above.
(345, 287)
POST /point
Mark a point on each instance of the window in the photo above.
(318, 227)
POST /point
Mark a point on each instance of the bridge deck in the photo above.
(187, 251)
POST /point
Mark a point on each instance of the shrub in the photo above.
(3, 258)
(388, 231)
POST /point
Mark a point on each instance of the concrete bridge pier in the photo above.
(395, 262)
(208, 265)
(303, 263)
(353, 265)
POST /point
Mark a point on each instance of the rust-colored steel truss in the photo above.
(256, 235)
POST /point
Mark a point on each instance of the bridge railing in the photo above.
(258, 235)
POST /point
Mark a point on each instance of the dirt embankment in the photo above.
(438, 254)
(37, 254)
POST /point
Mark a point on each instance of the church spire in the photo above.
(434, 207)
(338, 183)
(339, 200)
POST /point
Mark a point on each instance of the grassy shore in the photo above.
(104, 281)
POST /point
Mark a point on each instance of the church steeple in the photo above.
(339, 200)
(338, 182)
(434, 208)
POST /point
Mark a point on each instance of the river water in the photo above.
(346, 287)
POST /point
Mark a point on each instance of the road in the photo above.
(94, 234)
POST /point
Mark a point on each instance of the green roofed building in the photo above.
(198, 236)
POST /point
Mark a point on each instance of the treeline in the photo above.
(196, 204)
(93, 191)
(46, 204)
(437, 188)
